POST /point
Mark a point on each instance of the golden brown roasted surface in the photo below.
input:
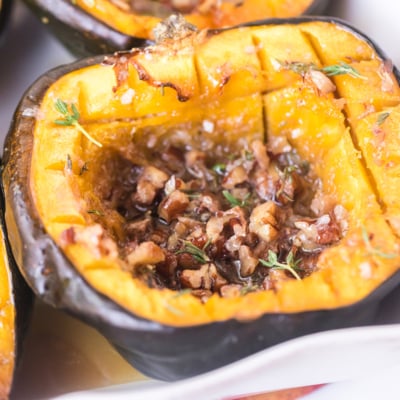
(249, 83)
(140, 21)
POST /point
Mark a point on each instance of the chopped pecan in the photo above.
(260, 153)
(248, 262)
(173, 205)
(148, 183)
(235, 177)
(206, 277)
(231, 291)
(145, 253)
(94, 237)
(263, 222)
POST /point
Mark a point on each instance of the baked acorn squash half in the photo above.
(213, 195)
(15, 309)
(104, 26)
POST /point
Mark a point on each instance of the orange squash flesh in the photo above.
(235, 81)
(7, 324)
(221, 15)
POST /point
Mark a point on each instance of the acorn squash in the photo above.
(105, 26)
(287, 225)
(15, 306)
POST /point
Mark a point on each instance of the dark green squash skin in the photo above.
(81, 33)
(157, 350)
(84, 35)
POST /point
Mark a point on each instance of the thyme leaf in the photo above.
(374, 250)
(248, 155)
(172, 309)
(233, 201)
(290, 264)
(197, 253)
(71, 118)
(341, 69)
(181, 293)
(300, 68)
(330, 70)
(382, 117)
(248, 289)
(288, 170)
(95, 212)
(219, 169)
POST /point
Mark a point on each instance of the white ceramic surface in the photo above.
(365, 360)
(341, 355)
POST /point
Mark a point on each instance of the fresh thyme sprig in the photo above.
(341, 69)
(197, 253)
(291, 264)
(233, 201)
(71, 118)
(373, 250)
(330, 70)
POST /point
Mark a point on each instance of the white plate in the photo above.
(319, 358)
(367, 358)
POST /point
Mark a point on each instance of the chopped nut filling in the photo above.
(221, 223)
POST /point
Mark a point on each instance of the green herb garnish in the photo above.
(171, 308)
(288, 170)
(341, 69)
(373, 250)
(71, 118)
(181, 293)
(382, 117)
(330, 70)
(248, 289)
(291, 264)
(219, 169)
(197, 253)
(300, 68)
(95, 212)
(193, 195)
(233, 201)
(248, 155)
(287, 177)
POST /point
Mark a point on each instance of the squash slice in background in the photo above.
(15, 307)
(104, 26)
(313, 86)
